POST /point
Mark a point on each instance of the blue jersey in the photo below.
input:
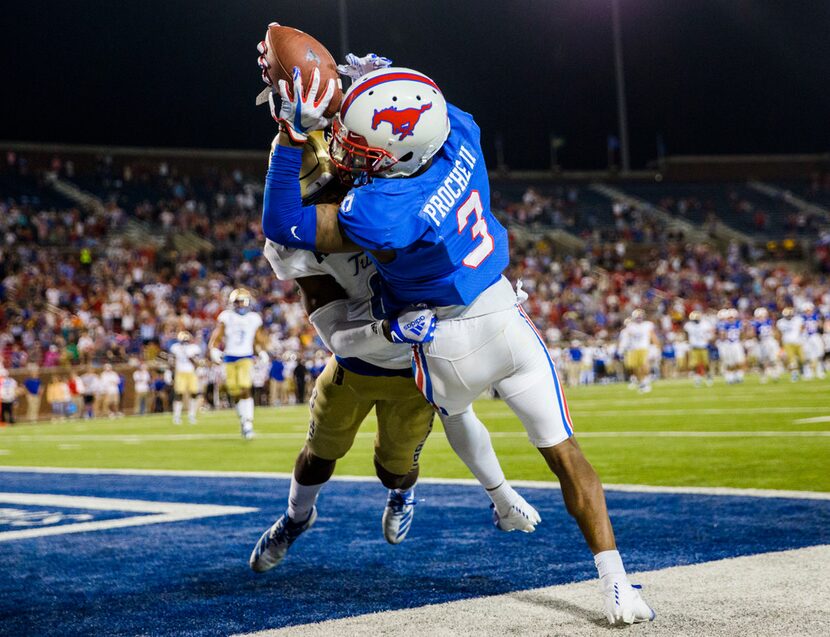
(811, 323)
(763, 329)
(448, 245)
(731, 330)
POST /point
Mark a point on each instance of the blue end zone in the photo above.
(192, 578)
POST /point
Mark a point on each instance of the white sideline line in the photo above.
(138, 439)
(529, 484)
(810, 421)
(161, 512)
(722, 598)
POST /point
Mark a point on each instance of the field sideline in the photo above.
(775, 436)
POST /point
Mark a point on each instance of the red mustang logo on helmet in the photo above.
(403, 122)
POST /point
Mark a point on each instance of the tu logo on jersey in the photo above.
(403, 122)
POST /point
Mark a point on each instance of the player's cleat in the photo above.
(520, 517)
(275, 542)
(623, 604)
(247, 430)
(398, 514)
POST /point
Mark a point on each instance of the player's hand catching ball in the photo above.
(301, 112)
(413, 326)
(356, 67)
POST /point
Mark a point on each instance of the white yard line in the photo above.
(811, 421)
(160, 512)
(738, 596)
(138, 439)
(530, 484)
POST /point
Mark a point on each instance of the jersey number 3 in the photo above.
(473, 205)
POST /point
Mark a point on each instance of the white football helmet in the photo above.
(391, 122)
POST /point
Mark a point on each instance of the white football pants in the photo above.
(494, 343)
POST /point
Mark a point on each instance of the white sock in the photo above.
(177, 410)
(191, 408)
(246, 410)
(301, 499)
(609, 564)
(503, 496)
(470, 440)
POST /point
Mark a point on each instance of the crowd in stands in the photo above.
(76, 294)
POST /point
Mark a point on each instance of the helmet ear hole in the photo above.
(406, 157)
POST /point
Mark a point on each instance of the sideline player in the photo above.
(768, 349)
(791, 326)
(640, 336)
(813, 342)
(241, 330)
(699, 332)
(339, 292)
(423, 212)
(186, 356)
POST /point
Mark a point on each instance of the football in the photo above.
(287, 47)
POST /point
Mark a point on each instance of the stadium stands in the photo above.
(104, 261)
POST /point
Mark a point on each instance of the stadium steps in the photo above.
(690, 230)
(566, 242)
(779, 194)
(82, 198)
(192, 242)
(137, 232)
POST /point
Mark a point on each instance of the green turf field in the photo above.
(774, 436)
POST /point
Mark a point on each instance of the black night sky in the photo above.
(709, 76)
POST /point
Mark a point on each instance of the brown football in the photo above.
(287, 47)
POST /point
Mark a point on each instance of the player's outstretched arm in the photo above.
(284, 218)
(216, 337)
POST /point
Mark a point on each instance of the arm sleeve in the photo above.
(284, 218)
(344, 337)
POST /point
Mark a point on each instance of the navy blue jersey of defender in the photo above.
(448, 245)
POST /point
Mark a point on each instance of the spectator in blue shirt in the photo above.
(277, 376)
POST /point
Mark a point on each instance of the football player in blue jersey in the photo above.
(769, 351)
(421, 208)
(367, 373)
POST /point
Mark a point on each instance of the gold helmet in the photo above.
(240, 300)
(183, 336)
(788, 312)
(318, 173)
(694, 316)
(638, 314)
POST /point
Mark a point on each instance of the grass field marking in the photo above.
(139, 439)
(811, 421)
(5, 452)
(160, 512)
(711, 411)
(529, 484)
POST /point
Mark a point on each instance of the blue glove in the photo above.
(413, 326)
